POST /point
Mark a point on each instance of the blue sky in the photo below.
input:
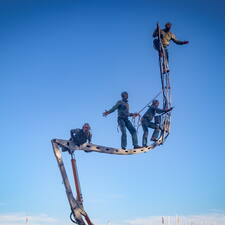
(63, 63)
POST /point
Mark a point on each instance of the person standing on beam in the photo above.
(122, 108)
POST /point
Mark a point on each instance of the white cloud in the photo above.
(20, 219)
(201, 219)
(216, 218)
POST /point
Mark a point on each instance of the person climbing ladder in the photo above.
(146, 121)
(166, 36)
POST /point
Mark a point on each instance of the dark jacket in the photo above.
(150, 113)
(122, 109)
(80, 137)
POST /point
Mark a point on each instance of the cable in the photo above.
(72, 218)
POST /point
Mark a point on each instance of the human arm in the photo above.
(174, 39)
(89, 137)
(157, 110)
(112, 109)
(73, 132)
(163, 110)
(155, 33)
(134, 114)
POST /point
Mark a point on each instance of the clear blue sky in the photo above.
(63, 63)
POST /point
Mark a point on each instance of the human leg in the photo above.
(156, 45)
(145, 133)
(166, 60)
(132, 131)
(155, 132)
(167, 54)
(122, 126)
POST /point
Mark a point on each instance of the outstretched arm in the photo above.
(163, 110)
(160, 110)
(112, 109)
(178, 42)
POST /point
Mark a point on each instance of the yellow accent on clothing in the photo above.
(167, 37)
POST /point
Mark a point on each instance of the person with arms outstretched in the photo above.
(146, 121)
(122, 108)
(166, 36)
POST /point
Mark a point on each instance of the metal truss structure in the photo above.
(78, 214)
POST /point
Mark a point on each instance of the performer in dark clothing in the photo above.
(146, 121)
(80, 136)
(122, 108)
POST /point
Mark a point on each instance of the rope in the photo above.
(136, 126)
(149, 102)
(72, 218)
(163, 63)
(166, 89)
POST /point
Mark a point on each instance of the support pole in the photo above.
(77, 186)
(76, 207)
(76, 179)
(88, 220)
(161, 63)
